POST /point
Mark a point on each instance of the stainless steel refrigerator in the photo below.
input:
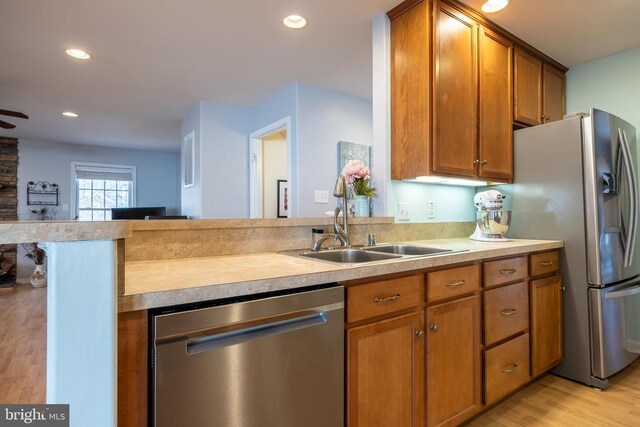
(576, 180)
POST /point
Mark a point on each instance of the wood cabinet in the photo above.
(506, 368)
(546, 324)
(458, 83)
(385, 379)
(453, 361)
(455, 107)
(495, 139)
(539, 90)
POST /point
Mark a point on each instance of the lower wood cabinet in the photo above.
(546, 324)
(506, 367)
(385, 378)
(453, 361)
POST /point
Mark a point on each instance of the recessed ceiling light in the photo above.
(295, 21)
(491, 6)
(70, 114)
(78, 53)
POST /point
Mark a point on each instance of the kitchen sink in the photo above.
(400, 249)
(350, 256)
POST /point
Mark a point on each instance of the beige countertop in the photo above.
(151, 284)
(62, 231)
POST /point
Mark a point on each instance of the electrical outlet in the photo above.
(431, 209)
(403, 211)
(322, 196)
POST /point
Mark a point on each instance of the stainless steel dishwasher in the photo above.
(273, 361)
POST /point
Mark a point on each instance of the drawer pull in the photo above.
(508, 312)
(434, 328)
(507, 271)
(546, 263)
(391, 298)
(456, 284)
(510, 368)
(420, 334)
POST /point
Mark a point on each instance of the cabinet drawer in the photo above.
(385, 296)
(506, 312)
(548, 262)
(452, 282)
(506, 368)
(505, 271)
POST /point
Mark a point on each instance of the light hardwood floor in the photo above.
(554, 401)
(23, 345)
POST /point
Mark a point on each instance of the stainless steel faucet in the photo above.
(340, 190)
(339, 233)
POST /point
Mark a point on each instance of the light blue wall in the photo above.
(324, 118)
(225, 161)
(451, 203)
(191, 197)
(281, 104)
(611, 84)
(157, 176)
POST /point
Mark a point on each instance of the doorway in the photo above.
(270, 180)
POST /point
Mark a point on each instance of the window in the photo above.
(102, 187)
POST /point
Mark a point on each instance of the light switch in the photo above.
(431, 209)
(403, 211)
(322, 196)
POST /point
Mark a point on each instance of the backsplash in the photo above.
(180, 239)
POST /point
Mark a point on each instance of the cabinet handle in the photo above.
(434, 328)
(546, 263)
(391, 298)
(484, 162)
(542, 118)
(475, 162)
(507, 271)
(508, 312)
(456, 284)
(547, 118)
(510, 368)
(419, 334)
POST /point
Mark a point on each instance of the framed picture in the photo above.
(283, 199)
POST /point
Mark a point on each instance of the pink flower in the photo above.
(353, 170)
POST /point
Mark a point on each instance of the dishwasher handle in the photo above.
(239, 336)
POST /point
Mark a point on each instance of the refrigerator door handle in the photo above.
(633, 208)
(624, 293)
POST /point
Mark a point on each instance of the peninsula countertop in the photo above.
(152, 284)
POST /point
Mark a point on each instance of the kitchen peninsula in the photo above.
(199, 260)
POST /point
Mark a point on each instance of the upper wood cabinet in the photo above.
(539, 90)
(411, 86)
(454, 361)
(455, 105)
(496, 106)
(553, 90)
(385, 373)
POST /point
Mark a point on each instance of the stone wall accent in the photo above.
(8, 206)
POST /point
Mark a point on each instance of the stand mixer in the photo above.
(491, 221)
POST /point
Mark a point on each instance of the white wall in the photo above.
(324, 118)
(225, 161)
(274, 157)
(157, 176)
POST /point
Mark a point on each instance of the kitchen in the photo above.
(183, 243)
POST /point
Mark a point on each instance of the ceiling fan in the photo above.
(5, 125)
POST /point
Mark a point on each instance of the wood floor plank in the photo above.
(556, 402)
(23, 345)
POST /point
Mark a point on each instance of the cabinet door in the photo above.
(410, 92)
(496, 107)
(546, 324)
(453, 361)
(385, 366)
(528, 89)
(455, 110)
(553, 81)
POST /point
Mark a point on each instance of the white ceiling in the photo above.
(152, 60)
(571, 31)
